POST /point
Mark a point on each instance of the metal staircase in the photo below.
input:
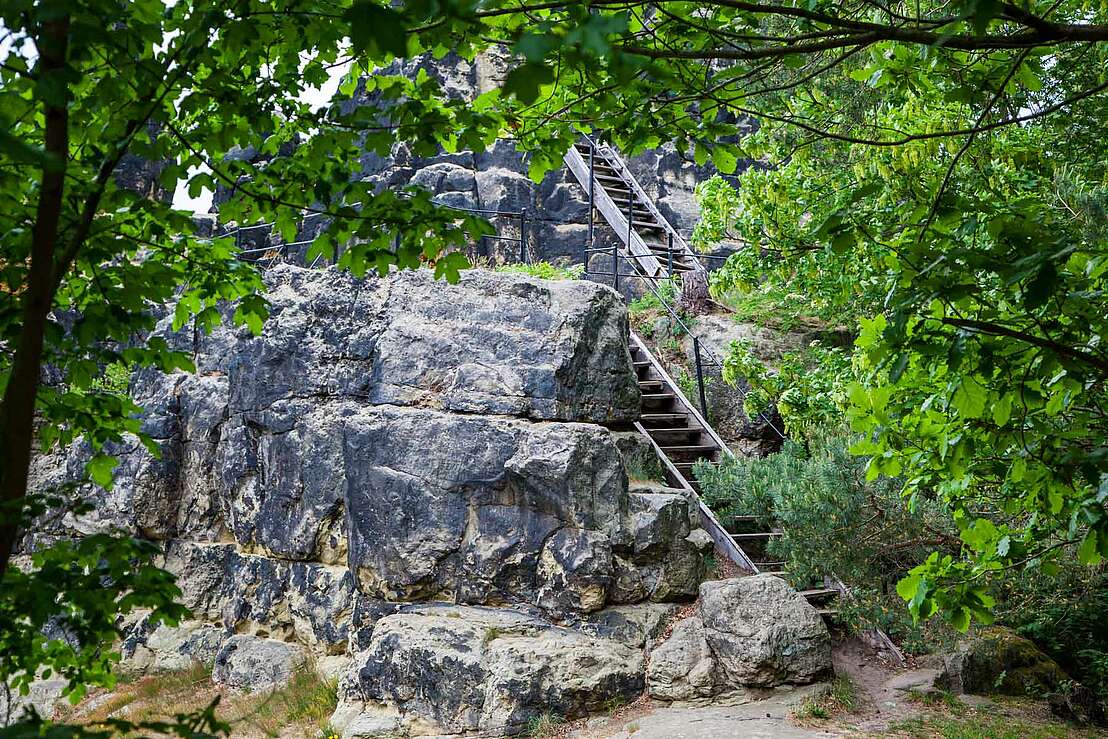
(650, 243)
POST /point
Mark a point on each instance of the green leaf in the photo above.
(525, 81)
(970, 397)
(1087, 553)
(376, 29)
(100, 468)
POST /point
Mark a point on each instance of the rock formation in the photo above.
(412, 486)
(747, 632)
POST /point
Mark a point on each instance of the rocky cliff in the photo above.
(416, 488)
(555, 227)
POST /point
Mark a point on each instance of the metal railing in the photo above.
(704, 357)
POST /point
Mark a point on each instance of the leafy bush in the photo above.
(667, 291)
(544, 270)
(1070, 625)
(835, 522)
(808, 386)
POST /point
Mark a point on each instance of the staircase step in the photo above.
(684, 431)
(666, 418)
(816, 593)
(651, 386)
(658, 398)
(691, 448)
(758, 535)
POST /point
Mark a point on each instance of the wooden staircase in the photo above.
(682, 437)
(651, 244)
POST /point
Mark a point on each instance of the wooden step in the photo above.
(669, 419)
(758, 535)
(685, 431)
(639, 363)
(651, 386)
(699, 449)
(817, 593)
(655, 399)
(690, 452)
(744, 519)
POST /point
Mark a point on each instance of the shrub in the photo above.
(544, 270)
(835, 522)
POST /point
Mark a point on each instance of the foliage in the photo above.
(96, 91)
(718, 202)
(808, 386)
(976, 270)
(544, 270)
(1071, 628)
(835, 522)
(60, 613)
(664, 294)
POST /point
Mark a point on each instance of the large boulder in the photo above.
(764, 633)
(998, 660)
(494, 343)
(748, 632)
(480, 669)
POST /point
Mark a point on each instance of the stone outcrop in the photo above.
(477, 669)
(750, 632)
(412, 486)
(554, 226)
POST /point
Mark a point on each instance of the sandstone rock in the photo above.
(998, 660)
(253, 663)
(682, 668)
(42, 699)
(574, 570)
(470, 669)
(634, 625)
(175, 648)
(763, 633)
(303, 601)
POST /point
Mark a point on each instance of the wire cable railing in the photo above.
(703, 355)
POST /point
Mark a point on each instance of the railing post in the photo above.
(592, 205)
(700, 378)
(523, 236)
(669, 256)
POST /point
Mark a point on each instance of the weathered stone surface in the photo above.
(464, 504)
(175, 648)
(303, 601)
(683, 667)
(468, 669)
(493, 343)
(254, 663)
(574, 571)
(763, 633)
(43, 699)
(634, 625)
(998, 660)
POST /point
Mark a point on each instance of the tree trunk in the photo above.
(17, 412)
(694, 299)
